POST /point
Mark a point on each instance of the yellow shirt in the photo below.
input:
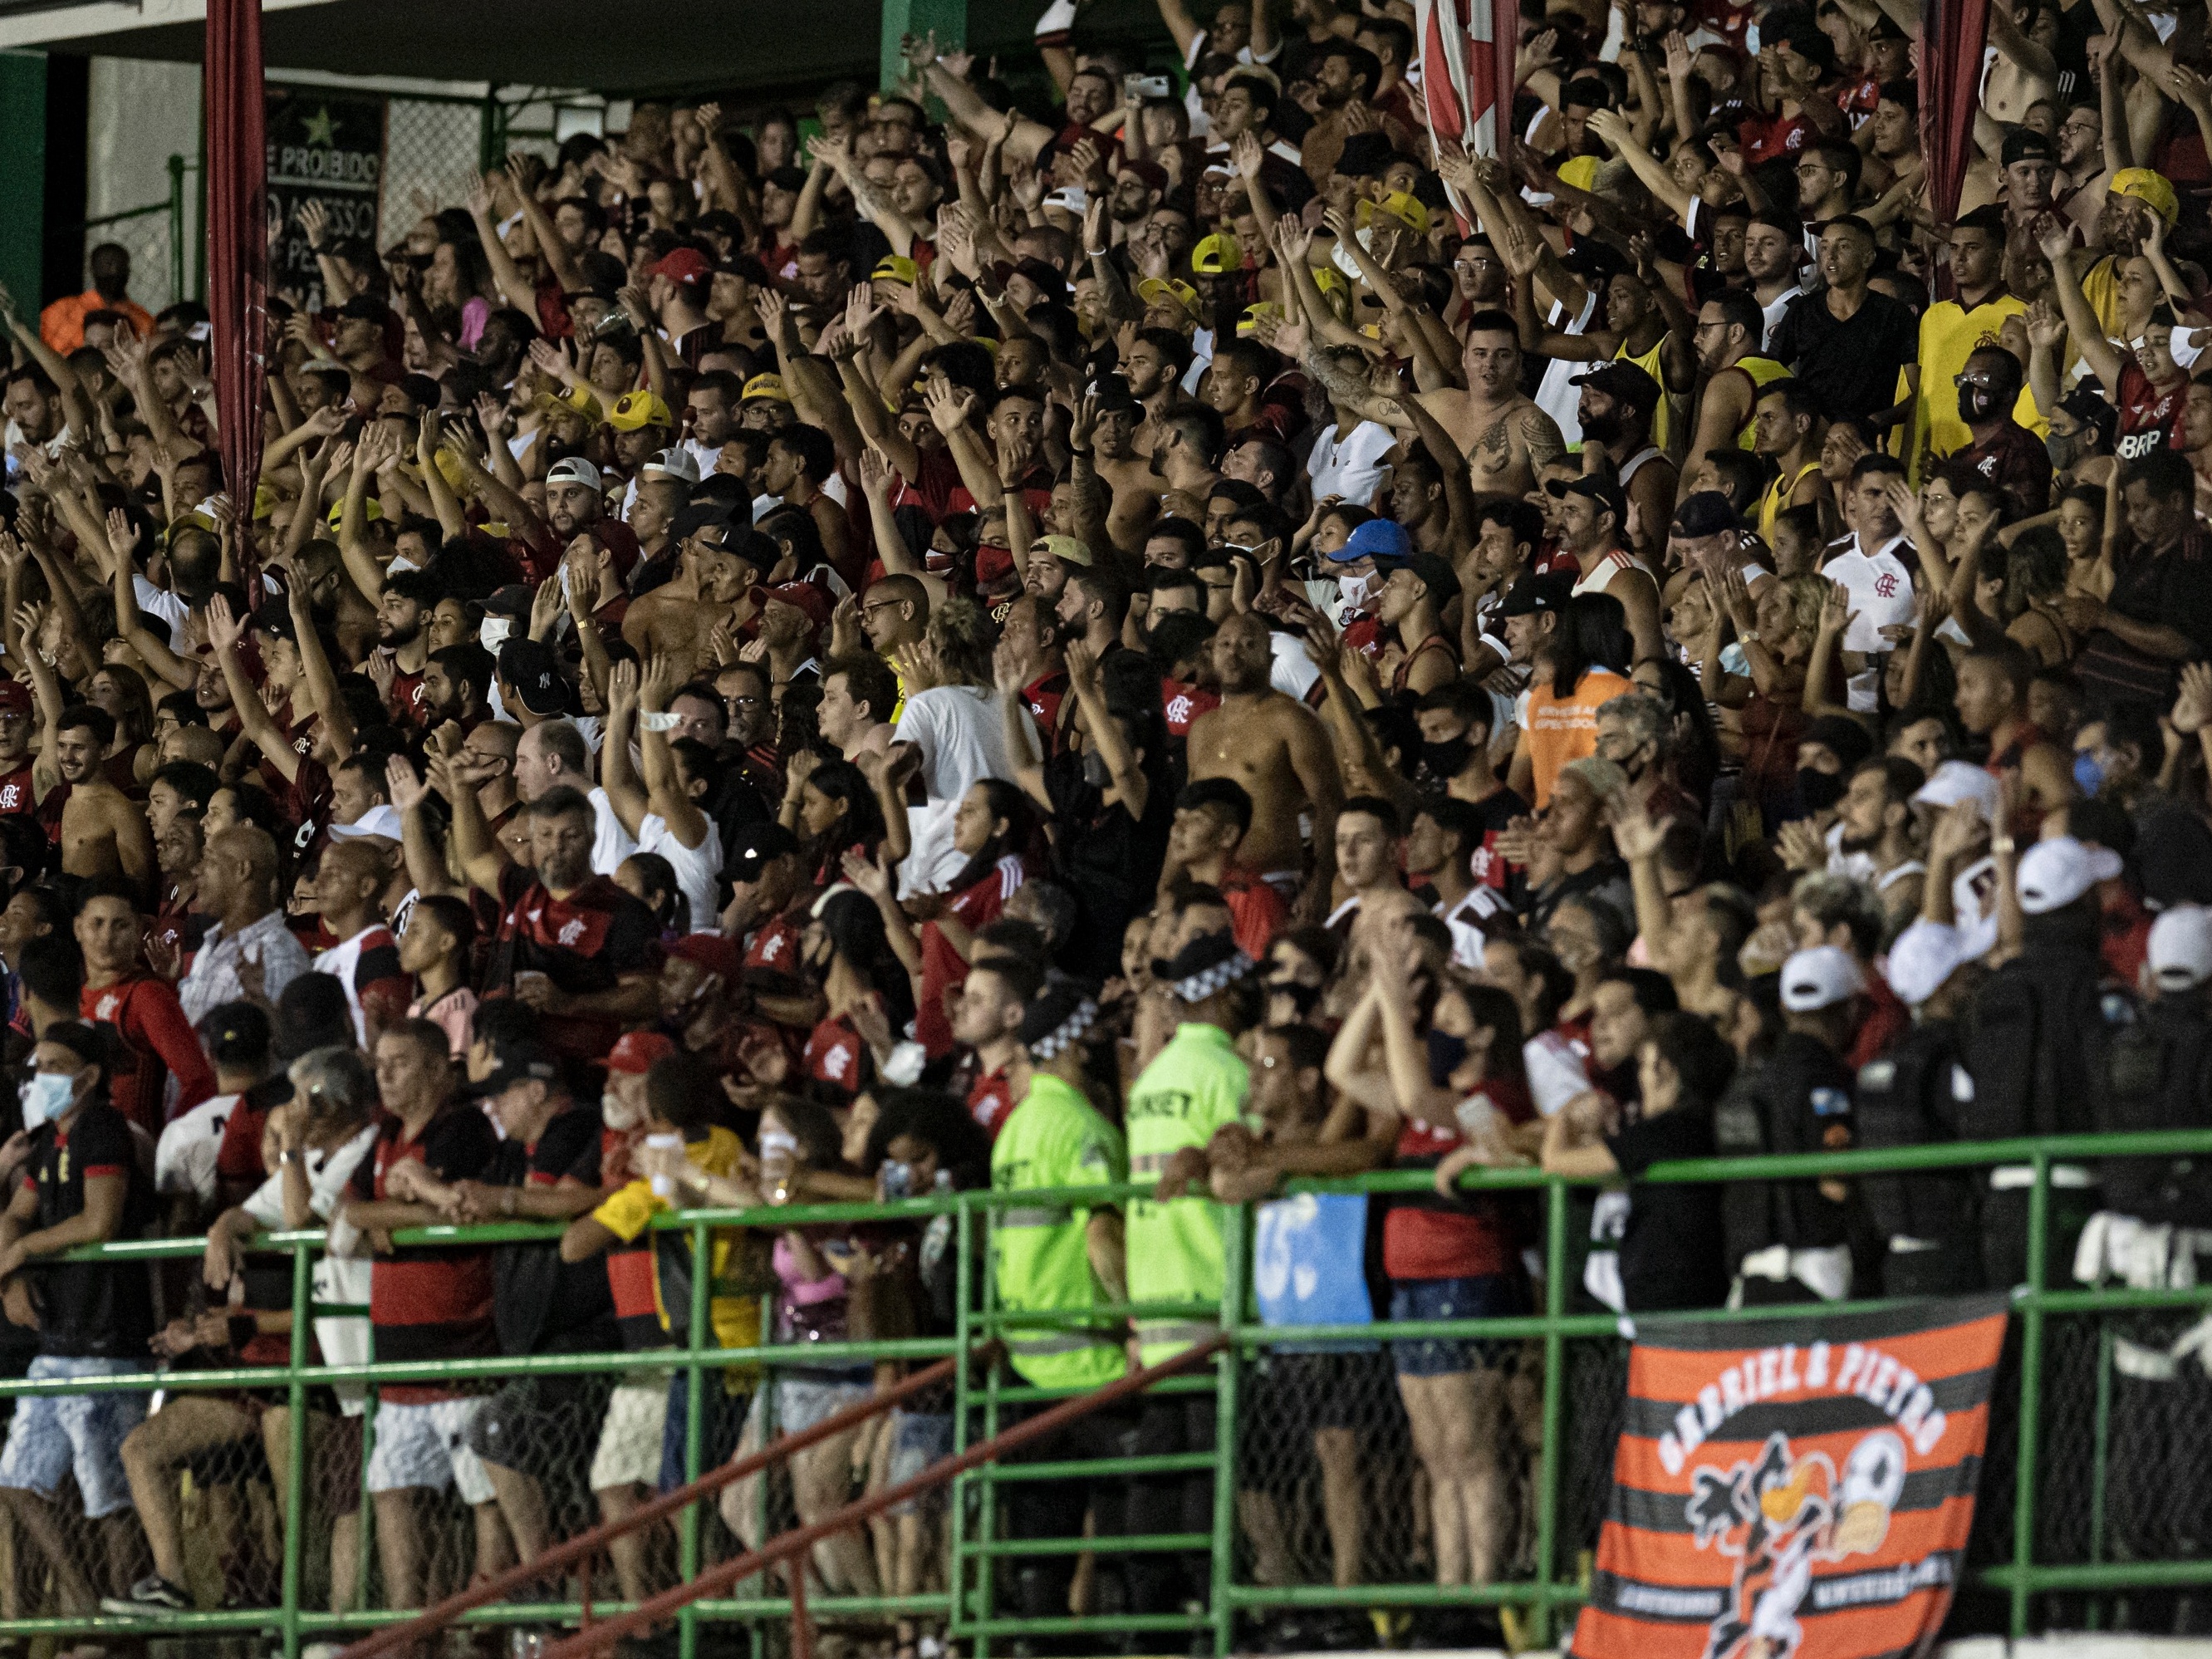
(1948, 336)
(1663, 418)
(627, 1212)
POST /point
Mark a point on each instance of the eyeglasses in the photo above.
(867, 609)
(742, 702)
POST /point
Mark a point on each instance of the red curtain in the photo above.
(238, 249)
(1952, 34)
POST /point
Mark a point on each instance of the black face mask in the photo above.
(1096, 772)
(1446, 1054)
(1978, 403)
(1303, 997)
(1447, 759)
(1818, 791)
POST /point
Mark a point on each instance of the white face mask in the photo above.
(492, 632)
(45, 1096)
(1354, 588)
(617, 1113)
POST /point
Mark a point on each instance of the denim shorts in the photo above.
(918, 1439)
(1489, 1296)
(52, 1435)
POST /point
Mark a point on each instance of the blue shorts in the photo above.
(52, 1435)
(1489, 1296)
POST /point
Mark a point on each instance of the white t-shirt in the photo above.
(696, 868)
(1350, 467)
(611, 843)
(346, 1339)
(160, 602)
(1291, 672)
(185, 1157)
(962, 739)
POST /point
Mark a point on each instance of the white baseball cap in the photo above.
(1819, 978)
(1955, 780)
(382, 819)
(574, 470)
(679, 463)
(2180, 956)
(1924, 956)
(2054, 873)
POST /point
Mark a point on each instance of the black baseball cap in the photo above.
(1434, 570)
(1605, 493)
(757, 847)
(365, 308)
(1707, 513)
(1623, 382)
(531, 667)
(2027, 144)
(1535, 595)
(520, 1062)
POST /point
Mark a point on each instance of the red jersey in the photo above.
(1770, 137)
(405, 698)
(991, 1101)
(584, 944)
(1183, 705)
(16, 793)
(429, 1303)
(836, 1058)
(1426, 1236)
(1044, 696)
(1256, 910)
(156, 1042)
(2150, 418)
(943, 968)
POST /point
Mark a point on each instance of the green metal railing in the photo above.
(975, 1547)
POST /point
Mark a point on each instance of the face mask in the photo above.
(1446, 1054)
(1818, 791)
(1977, 403)
(1446, 760)
(1303, 997)
(898, 1180)
(45, 1096)
(775, 1143)
(1353, 589)
(2088, 774)
(2060, 450)
(492, 632)
(1096, 772)
(617, 1113)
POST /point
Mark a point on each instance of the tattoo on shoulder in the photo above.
(1539, 435)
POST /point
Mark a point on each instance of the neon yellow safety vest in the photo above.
(1054, 1138)
(1195, 1086)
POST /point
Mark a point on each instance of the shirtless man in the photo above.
(2023, 72)
(102, 833)
(677, 618)
(1504, 436)
(1128, 474)
(1275, 748)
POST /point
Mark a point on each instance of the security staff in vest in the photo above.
(1912, 1094)
(1195, 1086)
(1790, 1241)
(1065, 1260)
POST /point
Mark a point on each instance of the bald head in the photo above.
(238, 876)
(550, 755)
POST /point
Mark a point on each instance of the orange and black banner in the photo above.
(1794, 1488)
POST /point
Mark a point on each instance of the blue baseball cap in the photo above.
(1378, 539)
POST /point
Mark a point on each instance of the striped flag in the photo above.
(1794, 1488)
(1465, 51)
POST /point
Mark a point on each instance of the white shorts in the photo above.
(630, 1439)
(427, 1445)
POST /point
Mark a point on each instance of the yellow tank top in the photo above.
(1777, 497)
(1663, 418)
(1764, 372)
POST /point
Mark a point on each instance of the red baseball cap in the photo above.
(681, 264)
(800, 596)
(715, 952)
(636, 1052)
(15, 696)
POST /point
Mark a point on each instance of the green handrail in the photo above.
(974, 1544)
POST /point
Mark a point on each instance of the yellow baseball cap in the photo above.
(1329, 280)
(896, 268)
(2151, 189)
(1401, 206)
(764, 385)
(1163, 290)
(1217, 254)
(1066, 549)
(371, 511)
(635, 410)
(1247, 325)
(1581, 172)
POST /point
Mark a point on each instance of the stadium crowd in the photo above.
(1174, 631)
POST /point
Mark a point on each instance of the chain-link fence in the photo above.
(432, 154)
(1313, 1490)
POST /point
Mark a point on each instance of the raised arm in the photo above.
(425, 854)
(617, 776)
(481, 857)
(2055, 237)
(225, 630)
(664, 786)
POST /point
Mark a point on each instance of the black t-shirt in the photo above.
(1109, 861)
(1852, 364)
(87, 1310)
(546, 1305)
(1673, 1253)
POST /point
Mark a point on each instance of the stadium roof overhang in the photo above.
(586, 44)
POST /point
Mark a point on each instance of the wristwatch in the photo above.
(1748, 635)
